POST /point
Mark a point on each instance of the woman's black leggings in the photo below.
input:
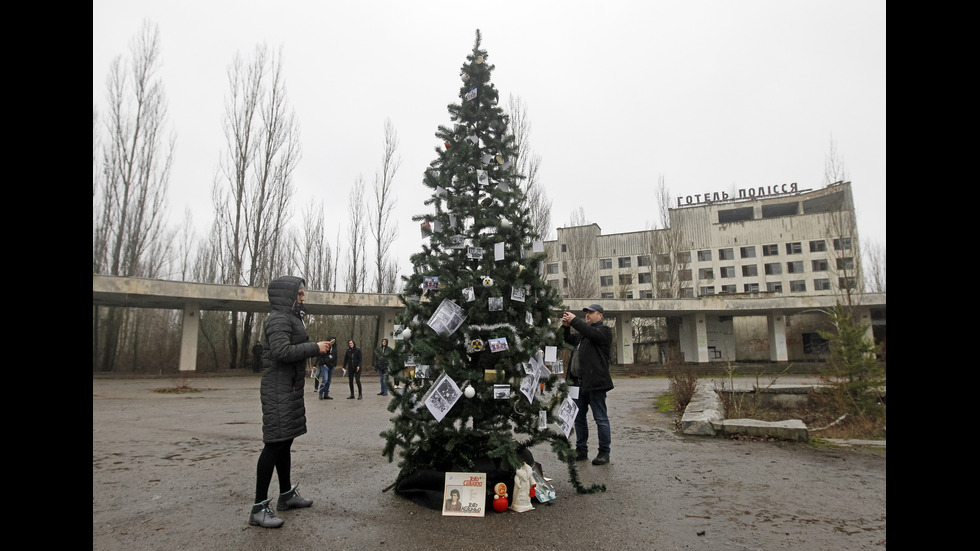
(351, 375)
(275, 455)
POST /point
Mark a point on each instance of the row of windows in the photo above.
(816, 246)
(776, 268)
(624, 262)
(727, 272)
(795, 286)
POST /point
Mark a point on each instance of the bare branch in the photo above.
(383, 230)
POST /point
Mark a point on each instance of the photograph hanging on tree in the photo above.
(498, 344)
(442, 396)
(557, 367)
(430, 283)
(529, 384)
(447, 318)
(566, 416)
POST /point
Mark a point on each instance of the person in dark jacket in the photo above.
(326, 364)
(381, 364)
(352, 363)
(285, 351)
(257, 358)
(589, 371)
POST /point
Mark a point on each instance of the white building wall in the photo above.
(789, 219)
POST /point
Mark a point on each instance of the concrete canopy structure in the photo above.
(191, 298)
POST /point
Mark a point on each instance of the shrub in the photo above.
(683, 384)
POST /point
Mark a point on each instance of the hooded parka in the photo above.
(284, 354)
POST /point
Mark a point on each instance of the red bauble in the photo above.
(500, 504)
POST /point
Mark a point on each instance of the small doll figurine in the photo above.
(522, 489)
(500, 497)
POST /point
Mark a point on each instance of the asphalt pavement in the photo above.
(176, 471)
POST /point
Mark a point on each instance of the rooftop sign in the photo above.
(742, 194)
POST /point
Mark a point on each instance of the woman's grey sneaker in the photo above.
(292, 500)
(263, 516)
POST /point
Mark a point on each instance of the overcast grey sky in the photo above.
(712, 95)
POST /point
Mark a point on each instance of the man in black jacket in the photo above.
(381, 364)
(589, 372)
(326, 363)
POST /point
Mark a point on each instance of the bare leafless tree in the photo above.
(130, 237)
(834, 169)
(209, 266)
(666, 248)
(356, 275)
(842, 230)
(384, 230)
(314, 251)
(528, 164)
(874, 267)
(136, 161)
(335, 279)
(185, 247)
(96, 146)
(577, 252)
(253, 189)
(624, 285)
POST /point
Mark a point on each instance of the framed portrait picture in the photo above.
(465, 494)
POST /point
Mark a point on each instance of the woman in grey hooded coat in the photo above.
(285, 349)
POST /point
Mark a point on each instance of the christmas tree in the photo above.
(470, 346)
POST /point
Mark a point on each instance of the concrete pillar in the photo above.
(623, 338)
(777, 337)
(388, 326)
(188, 338)
(701, 338)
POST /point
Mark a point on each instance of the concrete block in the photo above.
(703, 414)
(791, 429)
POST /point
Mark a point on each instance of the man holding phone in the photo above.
(589, 371)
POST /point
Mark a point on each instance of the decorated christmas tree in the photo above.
(473, 346)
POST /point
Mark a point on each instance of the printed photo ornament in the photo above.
(475, 345)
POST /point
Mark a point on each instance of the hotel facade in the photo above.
(720, 255)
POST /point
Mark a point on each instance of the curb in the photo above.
(704, 416)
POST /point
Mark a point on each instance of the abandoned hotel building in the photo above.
(733, 278)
